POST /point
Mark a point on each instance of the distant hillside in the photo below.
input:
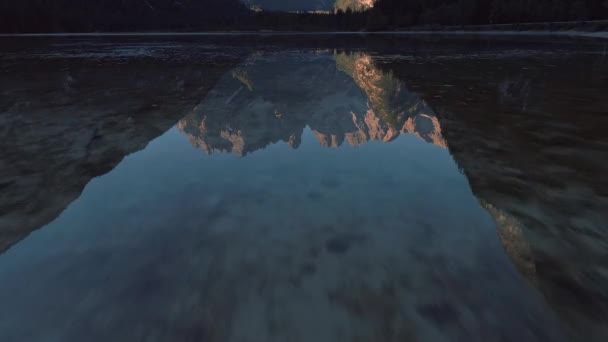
(311, 5)
(404, 13)
(116, 15)
(27, 16)
(354, 5)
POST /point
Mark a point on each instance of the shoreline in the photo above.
(600, 34)
(573, 33)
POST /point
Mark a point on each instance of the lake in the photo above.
(303, 188)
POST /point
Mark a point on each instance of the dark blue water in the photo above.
(296, 194)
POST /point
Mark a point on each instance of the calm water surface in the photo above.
(268, 188)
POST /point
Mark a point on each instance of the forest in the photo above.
(29, 16)
(204, 15)
(400, 13)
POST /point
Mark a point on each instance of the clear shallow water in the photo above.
(273, 193)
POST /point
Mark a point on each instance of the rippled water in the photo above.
(318, 188)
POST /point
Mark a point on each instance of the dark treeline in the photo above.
(282, 21)
(403, 13)
(398, 14)
(118, 15)
(201, 15)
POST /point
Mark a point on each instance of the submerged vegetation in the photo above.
(242, 76)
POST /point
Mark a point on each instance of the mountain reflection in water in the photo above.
(382, 242)
(272, 99)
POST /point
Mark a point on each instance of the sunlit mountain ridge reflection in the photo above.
(341, 98)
